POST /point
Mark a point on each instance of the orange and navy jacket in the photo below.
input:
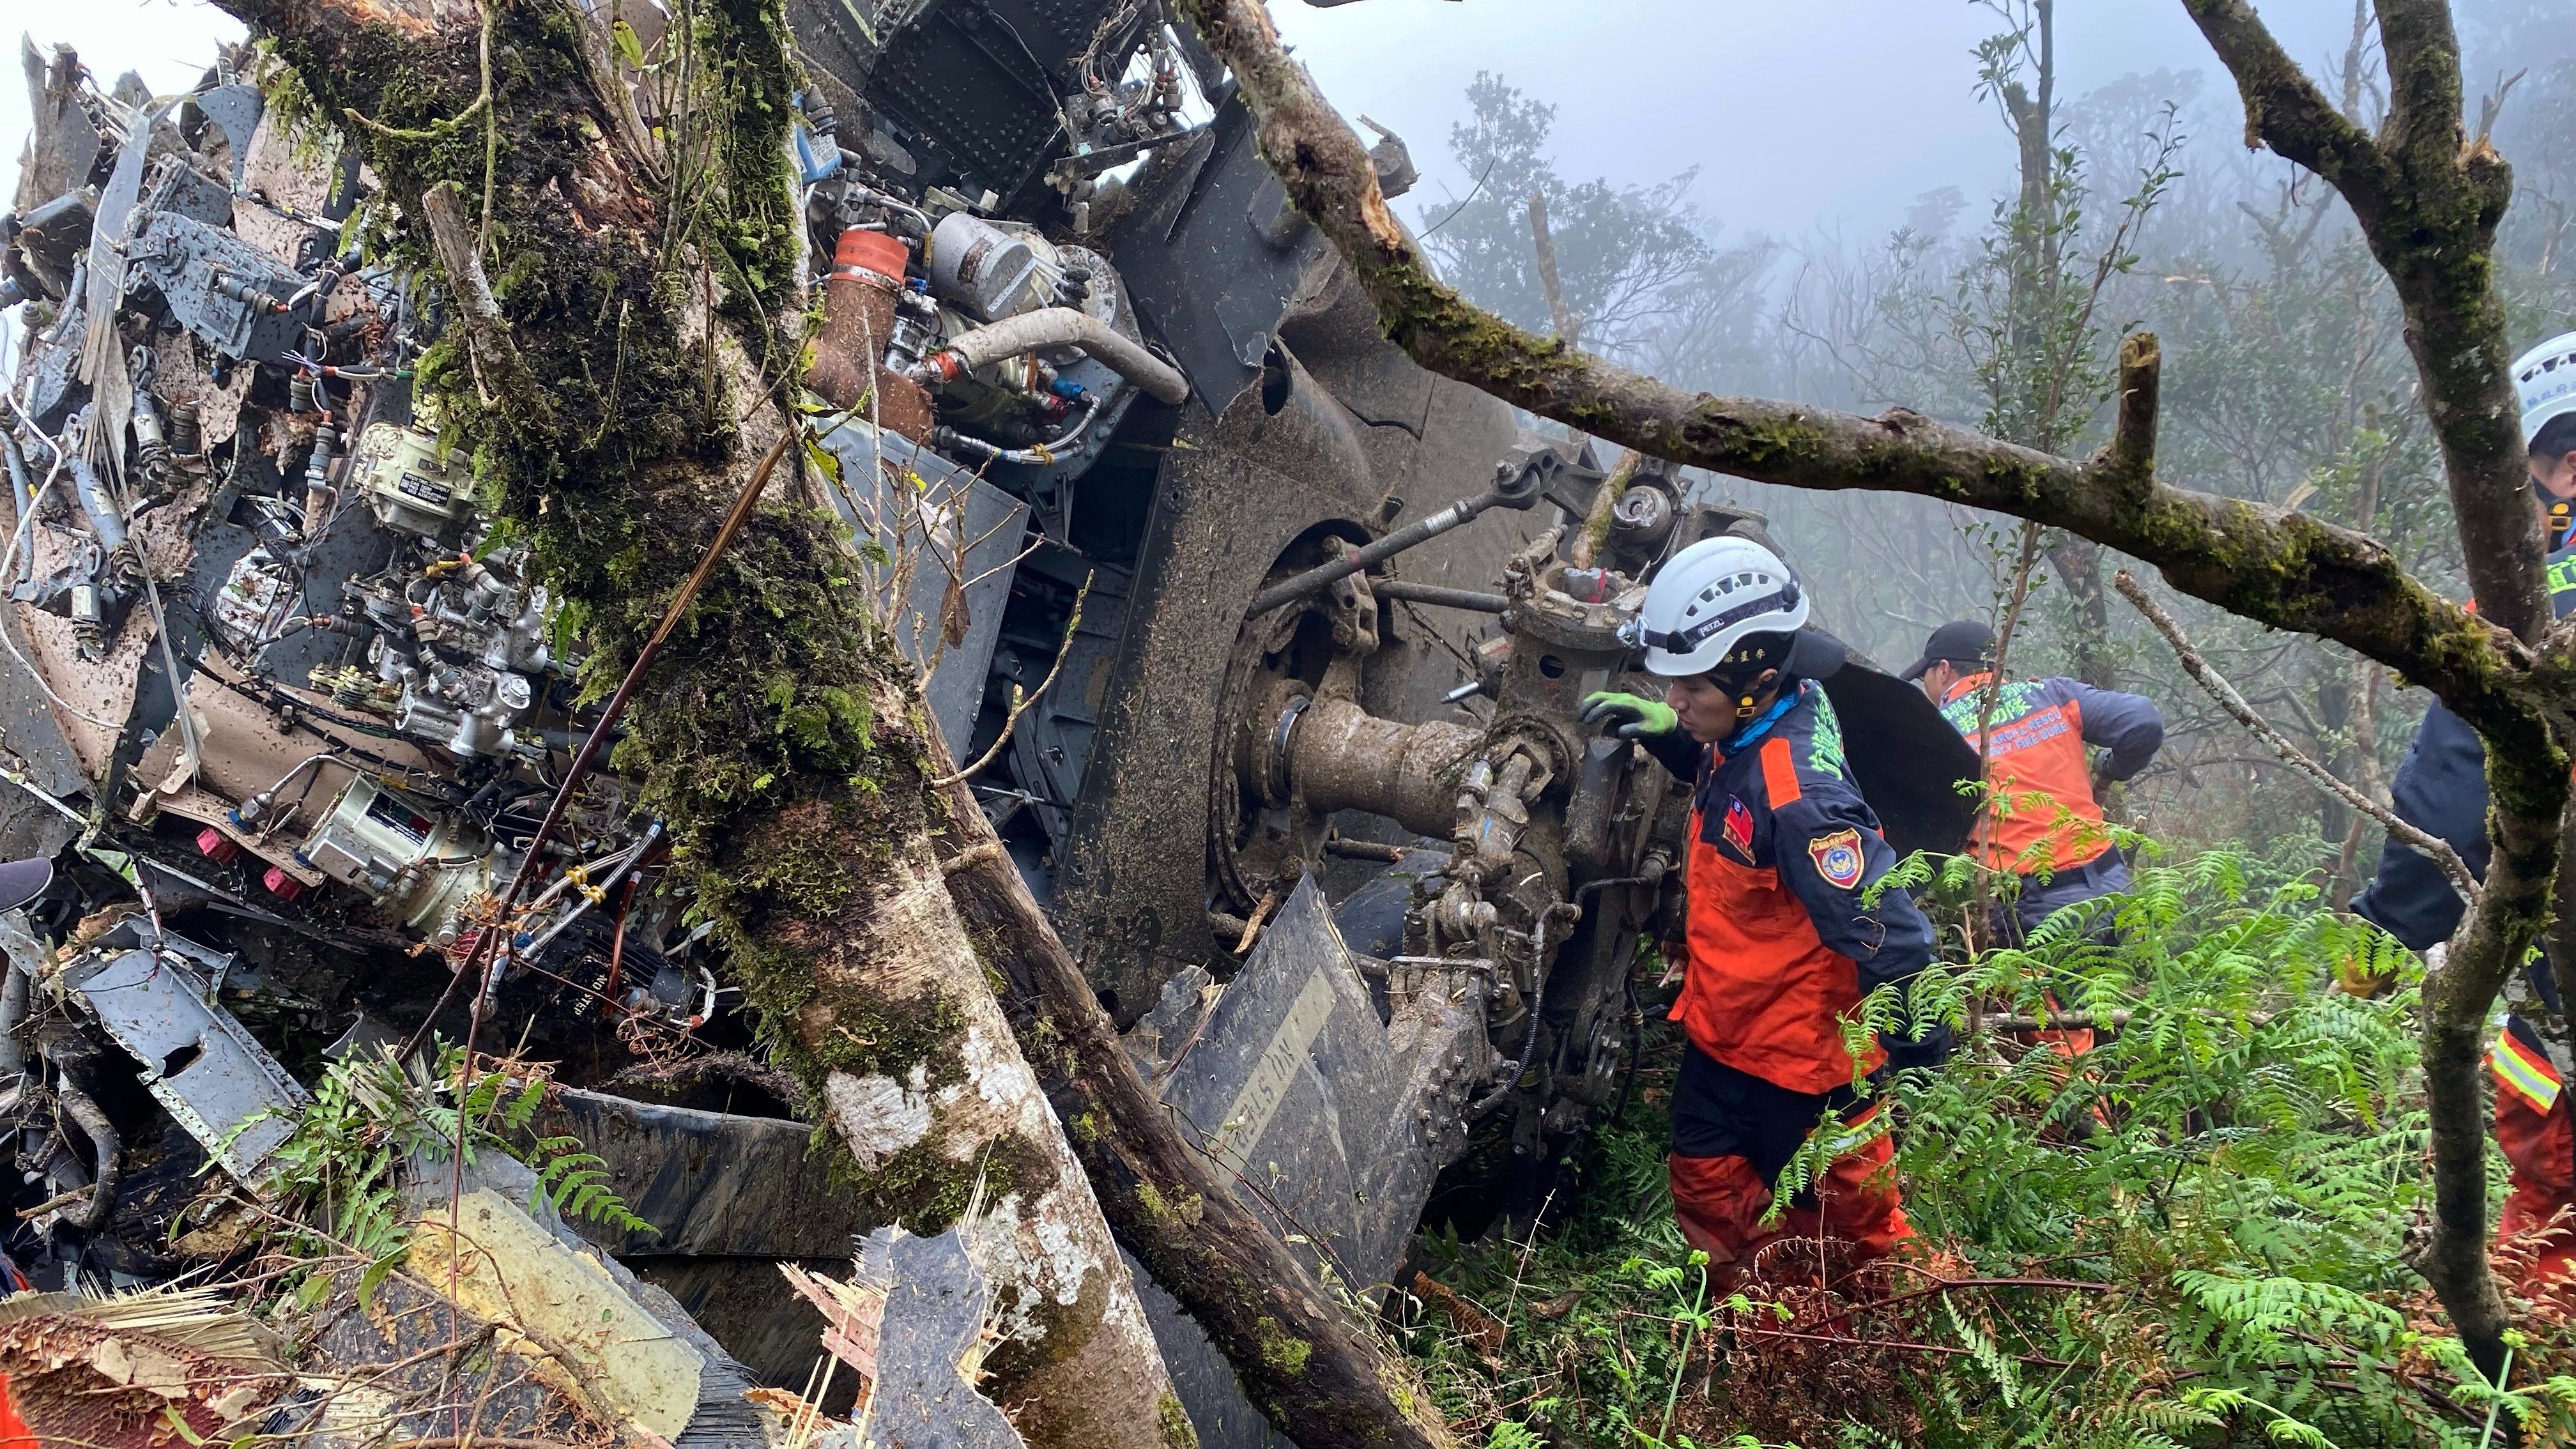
(2041, 815)
(1781, 945)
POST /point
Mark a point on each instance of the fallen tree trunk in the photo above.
(1305, 1363)
(610, 382)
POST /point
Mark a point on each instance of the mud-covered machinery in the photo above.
(1272, 645)
(260, 609)
(1532, 858)
(1553, 842)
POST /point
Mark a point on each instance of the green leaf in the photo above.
(374, 1278)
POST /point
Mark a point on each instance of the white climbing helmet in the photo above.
(2545, 377)
(1708, 598)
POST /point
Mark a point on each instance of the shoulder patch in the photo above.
(1838, 858)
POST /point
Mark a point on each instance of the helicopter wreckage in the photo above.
(1271, 646)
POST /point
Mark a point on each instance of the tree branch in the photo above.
(2284, 569)
(2453, 868)
(2285, 111)
(2423, 56)
(2428, 203)
(452, 237)
(1545, 247)
(2133, 440)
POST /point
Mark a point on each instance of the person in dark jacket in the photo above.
(1783, 937)
(2441, 789)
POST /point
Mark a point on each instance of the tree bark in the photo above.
(2428, 203)
(782, 736)
(1307, 1365)
(774, 737)
(2428, 200)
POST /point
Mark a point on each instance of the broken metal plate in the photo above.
(629, 1352)
(1292, 1086)
(714, 1183)
(197, 1061)
(234, 110)
(960, 632)
(934, 1310)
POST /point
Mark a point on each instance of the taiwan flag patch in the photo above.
(1739, 827)
(1838, 858)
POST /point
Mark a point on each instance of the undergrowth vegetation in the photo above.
(335, 1188)
(2192, 1232)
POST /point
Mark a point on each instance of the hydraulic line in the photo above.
(652, 835)
(1438, 597)
(1036, 455)
(24, 494)
(1055, 327)
(78, 1105)
(1518, 489)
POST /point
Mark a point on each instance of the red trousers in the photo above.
(1852, 1214)
(2541, 1149)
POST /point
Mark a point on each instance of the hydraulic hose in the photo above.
(1055, 327)
(26, 494)
(1036, 455)
(85, 1113)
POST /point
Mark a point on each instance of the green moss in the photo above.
(1280, 1351)
(1174, 1421)
(920, 1187)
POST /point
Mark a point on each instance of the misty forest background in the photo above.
(2201, 1233)
(2286, 377)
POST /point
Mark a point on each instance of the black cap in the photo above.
(22, 881)
(1965, 641)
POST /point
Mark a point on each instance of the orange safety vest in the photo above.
(2040, 814)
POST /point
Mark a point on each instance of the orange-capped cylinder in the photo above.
(861, 250)
(858, 322)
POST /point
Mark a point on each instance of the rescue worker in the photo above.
(1781, 944)
(2043, 816)
(2441, 789)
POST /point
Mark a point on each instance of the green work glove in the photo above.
(1631, 717)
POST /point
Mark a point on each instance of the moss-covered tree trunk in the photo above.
(613, 385)
(631, 361)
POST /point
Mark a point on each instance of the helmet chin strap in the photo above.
(1746, 692)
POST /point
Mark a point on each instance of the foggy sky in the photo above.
(1822, 113)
